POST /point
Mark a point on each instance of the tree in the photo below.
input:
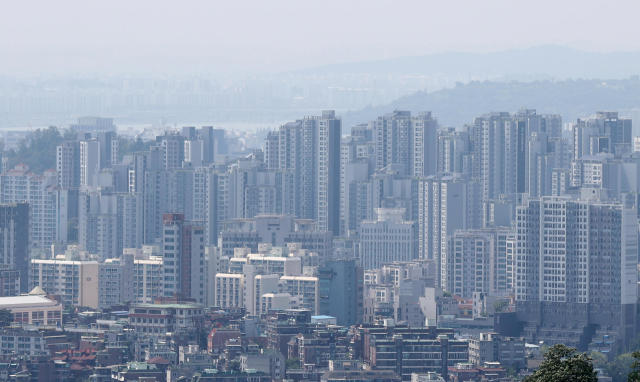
(128, 146)
(619, 369)
(499, 306)
(512, 372)
(599, 359)
(38, 150)
(234, 366)
(634, 375)
(544, 348)
(564, 364)
(292, 363)
(634, 344)
(6, 317)
(203, 337)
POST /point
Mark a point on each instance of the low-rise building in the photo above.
(490, 347)
(360, 376)
(31, 343)
(135, 371)
(404, 350)
(426, 377)
(159, 319)
(463, 371)
(213, 375)
(9, 281)
(35, 308)
(269, 361)
(217, 339)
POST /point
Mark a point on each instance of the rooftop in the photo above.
(173, 306)
(28, 300)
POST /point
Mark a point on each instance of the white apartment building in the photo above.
(184, 190)
(454, 151)
(560, 181)
(269, 301)
(258, 286)
(577, 254)
(398, 272)
(184, 264)
(277, 230)
(576, 262)
(89, 161)
(560, 241)
(278, 265)
(81, 280)
(48, 205)
(479, 261)
(388, 239)
(600, 132)
(356, 159)
(74, 276)
(173, 149)
(501, 157)
(410, 141)
(68, 164)
(310, 149)
(446, 203)
(108, 222)
(193, 152)
(305, 289)
(147, 279)
(229, 289)
(115, 285)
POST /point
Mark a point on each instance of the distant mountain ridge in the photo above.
(455, 107)
(558, 62)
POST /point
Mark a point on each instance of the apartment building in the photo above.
(576, 264)
(388, 239)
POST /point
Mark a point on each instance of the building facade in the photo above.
(576, 263)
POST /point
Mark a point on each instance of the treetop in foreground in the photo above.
(564, 364)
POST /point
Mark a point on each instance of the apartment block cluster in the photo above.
(340, 252)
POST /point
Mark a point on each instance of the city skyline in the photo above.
(282, 191)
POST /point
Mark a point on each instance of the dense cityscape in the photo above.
(332, 191)
(393, 250)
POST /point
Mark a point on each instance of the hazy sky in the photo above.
(227, 36)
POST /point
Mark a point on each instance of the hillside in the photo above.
(541, 62)
(460, 105)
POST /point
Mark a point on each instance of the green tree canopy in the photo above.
(128, 146)
(235, 366)
(38, 150)
(6, 317)
(564, 364)
(292, 363)
(599, 360)
(499, 306)
(619, 369)
(634, 375)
